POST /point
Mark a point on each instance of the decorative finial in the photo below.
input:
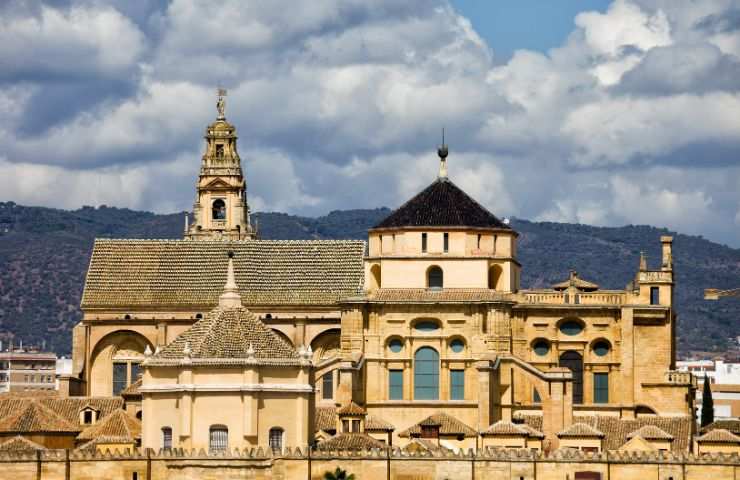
(186, 352)
(250, 351)
(230, 298)
(221, 103)
(148, 351)
(442, 151)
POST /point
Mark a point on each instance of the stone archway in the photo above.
(114, 362)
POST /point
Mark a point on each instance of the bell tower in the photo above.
(221, 209)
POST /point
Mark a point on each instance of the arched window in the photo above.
(435, 277)
(166, 437)
(574, 362)
(219, 210)
(494, 275)
(426, 374)
(218, 438)
(276, 438)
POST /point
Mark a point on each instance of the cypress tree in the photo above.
(707, 404)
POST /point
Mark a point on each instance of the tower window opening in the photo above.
(424, 243)
(219, 210)
(435, 277)
(478, 245)
(219, 151)
(654, 296)
(446, 238)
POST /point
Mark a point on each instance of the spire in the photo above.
(230, 298)
(442, 151)
(643, 262)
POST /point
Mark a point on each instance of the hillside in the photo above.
(44, 254)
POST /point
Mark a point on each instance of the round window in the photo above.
(426, 326)
(457, 345)
(541, 348)
(601, 348)
(395, 345)
(571, 328)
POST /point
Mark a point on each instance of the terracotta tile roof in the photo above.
(118, 427)
(354, 441)
(577, 282)
(448, 425)
(731, 425)
(191, 274)
(326, 419)
(580, 430)
(228, 333)
(351, 409)
(415, 295)
(377, 424)
(423, 444)
(719, 435)
(19, 443)
(502, 427)
(442, 204)
(616, 429)
(68, 408)
(531, 431)
(33, 417)
(132, 390)
(650, 432)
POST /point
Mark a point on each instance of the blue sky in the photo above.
(596, 112)
(525, 24)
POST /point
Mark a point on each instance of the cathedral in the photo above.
(420, 337)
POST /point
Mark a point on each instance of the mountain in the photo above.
(44, 255)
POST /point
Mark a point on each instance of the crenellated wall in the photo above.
(366, 465)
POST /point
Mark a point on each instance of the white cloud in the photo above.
(79, 41)
(339, 104)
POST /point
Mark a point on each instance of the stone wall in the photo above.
(368, 465)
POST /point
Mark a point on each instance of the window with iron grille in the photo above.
(395, 385)
(166, 437)
(276, 438)
(218, 438)
(601, 388)
(119, 377)
(327, 386)
(457, 384)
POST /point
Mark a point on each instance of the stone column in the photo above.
(486, 401)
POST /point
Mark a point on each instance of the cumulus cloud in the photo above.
(345, 101)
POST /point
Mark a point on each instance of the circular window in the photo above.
(541, 348)
(457, 345)
(571, 328)
(426, 326)
(395, 345)
(601, 348)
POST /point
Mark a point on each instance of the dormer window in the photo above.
(88, 415)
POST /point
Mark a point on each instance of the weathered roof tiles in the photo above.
(191, 274)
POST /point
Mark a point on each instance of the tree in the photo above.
(338, 474)
(707, 404)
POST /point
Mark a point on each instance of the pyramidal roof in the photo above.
(118, 425)
(228, 334)
(33, 417)
(442, 204)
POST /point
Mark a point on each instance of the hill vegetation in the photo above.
(44, 255)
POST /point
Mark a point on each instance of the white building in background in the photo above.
(64, 367)
(724, 379)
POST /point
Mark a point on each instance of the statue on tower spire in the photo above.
(221, 103)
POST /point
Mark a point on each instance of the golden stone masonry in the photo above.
(416, 354)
